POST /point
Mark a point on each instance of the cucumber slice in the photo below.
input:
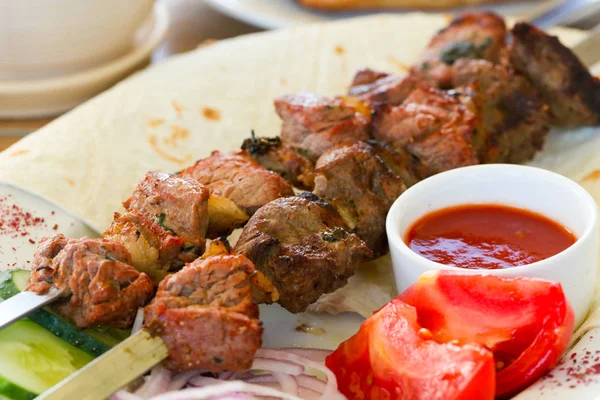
(34, 359)
(10, 391)
(15, 281)
(108, 335)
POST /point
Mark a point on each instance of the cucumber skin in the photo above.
(14, 392)
(68, 333)
(51, 322)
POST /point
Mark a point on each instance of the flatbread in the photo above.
(171, 114)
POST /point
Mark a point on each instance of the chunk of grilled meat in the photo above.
(301, 245)
(43, 274)
(278, 157)
(512, 121)
(314, 124)
(399, 161)
(434, 127)
(101, 287)
(177, 204)
(238, 178)
(476, 35)
(153, 250)
(364, 76)
(386, 89)
(566, 85)
(361, 187)
(206, 315)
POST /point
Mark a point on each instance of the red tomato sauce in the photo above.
(487, 237)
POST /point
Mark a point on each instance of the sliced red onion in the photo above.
(138, 321)
(243, 375)
(311, 382)
(238, 396)
(226, 375)
(314, 354)
(279, 364)
(224, 388)
(180, 380)
(288, 383)
(204, 381)
(264, 378)
(330, 392)
(123, 395)
(309, 394)
(157, 383)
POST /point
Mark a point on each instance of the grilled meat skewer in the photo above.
(302, 246)
(100, 285)
(358, 183)
(375, 88)
(165, 223)
(314, 124)
(206, 314)
(203, 317)
(280, 158)
(238, 178)
(511, 119)
(565, 84)
(476, 35)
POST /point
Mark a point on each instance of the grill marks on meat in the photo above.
(100, 285)
(359, 184)
(387, 89)
(512, 121)
(177, 204)
(42, 272)
(477, 35)
(206, 316)
(240, 179)
(565, 84)
(301, 245)
(434, 127)
(153, 250)
(314, 124)
(278, 157)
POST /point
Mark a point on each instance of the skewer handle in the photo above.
(111, 371)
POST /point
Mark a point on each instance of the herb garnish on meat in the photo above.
(334, 235)
(260, 146)
(160, 220)
(463, 49)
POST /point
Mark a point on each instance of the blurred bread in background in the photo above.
(374, 4)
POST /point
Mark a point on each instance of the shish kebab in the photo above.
(428, 129)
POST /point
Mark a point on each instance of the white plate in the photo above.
(273, 14)
(18, 238)
(52, 96)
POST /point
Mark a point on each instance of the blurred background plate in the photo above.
(43, 97)
(273, 14)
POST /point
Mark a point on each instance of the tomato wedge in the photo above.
(527, 323)
(393, 357)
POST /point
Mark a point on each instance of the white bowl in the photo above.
(48, 97)
(538, 190)
(42, 38)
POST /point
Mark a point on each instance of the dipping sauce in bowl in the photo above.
(487, 236)
(532, 191)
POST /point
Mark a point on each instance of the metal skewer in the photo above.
(25, 303)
